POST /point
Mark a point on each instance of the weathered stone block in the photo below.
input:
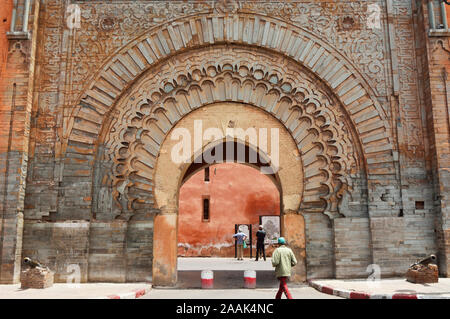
(36, 278)
(352, 247)
(423, 274)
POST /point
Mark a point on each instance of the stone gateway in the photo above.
(90, 92)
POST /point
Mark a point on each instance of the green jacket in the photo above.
(283, 259)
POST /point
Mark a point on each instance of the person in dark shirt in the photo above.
(260, 236)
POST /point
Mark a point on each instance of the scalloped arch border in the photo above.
(257, 31)
(205, 91)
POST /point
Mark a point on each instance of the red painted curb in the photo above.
(113, 297)
(140, 293)
(359, 295)
(327, 290)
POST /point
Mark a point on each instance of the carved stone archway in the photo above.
(135, 130)
(144, 116)
(168, 176)
(341, 131)
(252, 31)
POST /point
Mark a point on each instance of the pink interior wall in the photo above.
(448, 14)
(5, 21)
(238, 194)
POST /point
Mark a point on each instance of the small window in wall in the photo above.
(206, 207)
(207, 174)
(420, 205)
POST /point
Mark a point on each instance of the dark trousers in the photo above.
(260, 249)
(283, 288)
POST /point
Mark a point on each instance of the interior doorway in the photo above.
(218, 198)
(286, 174)
(216, 202)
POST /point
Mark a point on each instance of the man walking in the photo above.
(260, 235)
(240, 236)
(283, 259)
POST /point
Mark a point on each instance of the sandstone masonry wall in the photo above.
(59, 88)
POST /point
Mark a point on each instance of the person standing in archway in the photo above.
(260, 249)
(240, 237)
(283, 259)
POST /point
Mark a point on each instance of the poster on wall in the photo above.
(245, 229)
(271, 225)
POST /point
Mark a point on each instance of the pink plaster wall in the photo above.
(448, 14)
(238, 194)
(5, 17)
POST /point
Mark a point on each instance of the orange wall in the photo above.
(5, 19)
(238, 194)
(448, 14)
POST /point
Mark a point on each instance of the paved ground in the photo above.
(208, 263)
(99, 290)
(228, 284)
(228, 272)
(390, 287)
(226, 279)
(67, 291)
(297, 293)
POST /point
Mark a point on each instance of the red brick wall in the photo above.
(440, 93)
(16, 94)
(437, 92)
(448, 14)
(238, 194)
(5, 20)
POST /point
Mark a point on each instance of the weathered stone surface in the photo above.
(361, 90)
(36, 278)
(58, 245)
(421, 274)
(293, 226)
(352, 247)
